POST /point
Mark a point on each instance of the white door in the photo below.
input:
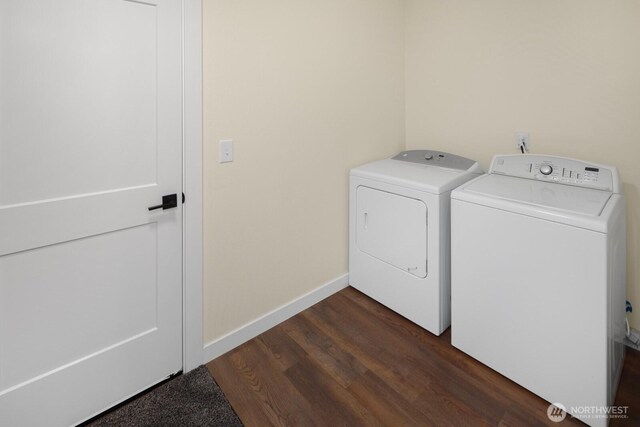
(90, 137)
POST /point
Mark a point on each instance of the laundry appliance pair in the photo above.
(526, 262)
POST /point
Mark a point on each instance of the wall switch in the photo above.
(226, 150)
(522, 142)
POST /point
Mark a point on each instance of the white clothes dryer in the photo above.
(399, 232)
(538, 251)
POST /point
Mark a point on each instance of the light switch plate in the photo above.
(226, 150)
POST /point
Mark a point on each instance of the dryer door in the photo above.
(393, 229)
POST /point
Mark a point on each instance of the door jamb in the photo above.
(192, 296)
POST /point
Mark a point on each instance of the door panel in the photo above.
(393, 229)
(78, 309)
(90, 136)
(78, 83)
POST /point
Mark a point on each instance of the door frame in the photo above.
(192, 250)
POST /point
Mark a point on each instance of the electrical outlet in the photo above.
(522, 142)
(226, 150)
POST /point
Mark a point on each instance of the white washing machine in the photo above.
(538, 253)
(399, 232)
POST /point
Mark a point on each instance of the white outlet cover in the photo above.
(523, 136)
(226, 150)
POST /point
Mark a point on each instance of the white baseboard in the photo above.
(254, 328)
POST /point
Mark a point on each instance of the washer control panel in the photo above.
(559, 170)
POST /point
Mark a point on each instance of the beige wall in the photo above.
(566, 71)
(307, 90)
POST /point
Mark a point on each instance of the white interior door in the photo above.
(90, 137)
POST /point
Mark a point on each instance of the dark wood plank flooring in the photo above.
(350, 361)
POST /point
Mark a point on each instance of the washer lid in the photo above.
(562, 197)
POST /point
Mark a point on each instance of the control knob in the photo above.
(546, 169)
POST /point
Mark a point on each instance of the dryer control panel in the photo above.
(561, 170)
(440, 159)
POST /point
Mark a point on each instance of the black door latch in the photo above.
(169, 201)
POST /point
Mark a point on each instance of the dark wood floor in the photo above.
(350, 361)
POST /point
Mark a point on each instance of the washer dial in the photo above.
(546, 169)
